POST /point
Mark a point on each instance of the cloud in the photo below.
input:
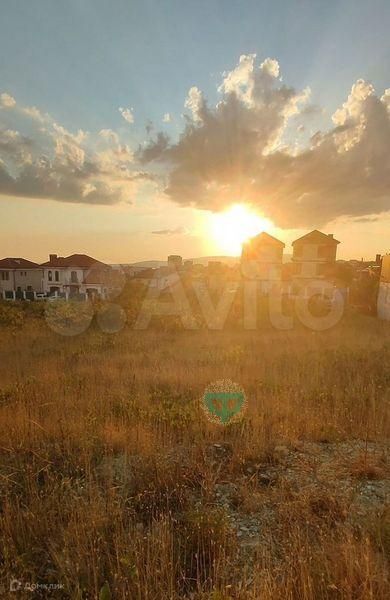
(239, 150)
(149, 126)
(177, 230)
(311, 110)
(55, 163)
(251, 146)
(16, 146)
(34, 113)
(127, 114)
(109, 135)
(7, 101)
(167, 118)
(368, 219)
(154, 149)
(195, 103)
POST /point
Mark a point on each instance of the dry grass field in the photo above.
(113, 484)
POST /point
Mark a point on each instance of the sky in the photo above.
(129, 129)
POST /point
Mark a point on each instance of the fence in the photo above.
(12, 296)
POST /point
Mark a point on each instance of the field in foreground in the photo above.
(114, 484)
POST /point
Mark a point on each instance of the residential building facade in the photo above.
(314, 255)
(76, 274)
(384, 290)
(262, 259)
(19, 276)
(65, 277)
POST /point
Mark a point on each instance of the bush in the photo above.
(11, 315)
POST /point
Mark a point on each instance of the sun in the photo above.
(233, 227)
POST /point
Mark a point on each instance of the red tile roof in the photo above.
(74, 260)
(18, 263)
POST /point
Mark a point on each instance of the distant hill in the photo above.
(149, 264)
(204, 260)
(201, 260)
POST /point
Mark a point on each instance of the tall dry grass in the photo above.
(106, 474)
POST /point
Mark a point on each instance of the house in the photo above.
(384, 290)
(161, 278)
(364, 269)
(262, 258)
(77, 274)
(104, 281)
(20, 278)
(314, 255)
(175, 261)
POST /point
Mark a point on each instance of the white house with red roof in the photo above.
(19, 276)
(64, 276)
(78, 274)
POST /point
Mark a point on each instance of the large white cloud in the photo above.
(250, 147)
(237, 151)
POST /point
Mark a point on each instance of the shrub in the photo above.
(11, 315)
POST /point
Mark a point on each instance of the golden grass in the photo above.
(106, 473)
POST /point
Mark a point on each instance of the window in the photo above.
(50, 276)
(29, 288)
(57, 275)
(5, 275)
(298, 251)
(73, 277)
(323, 251)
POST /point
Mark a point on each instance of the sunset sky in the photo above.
(135, 128)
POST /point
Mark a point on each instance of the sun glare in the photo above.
(233, 227)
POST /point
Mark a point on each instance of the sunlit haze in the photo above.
(231, 228)
(124, 136)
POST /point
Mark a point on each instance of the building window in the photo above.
(29, 288)
(73, 277)
(50, 276)
(57, 275)
(5, 275)
(323, 252)
(298, 251)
